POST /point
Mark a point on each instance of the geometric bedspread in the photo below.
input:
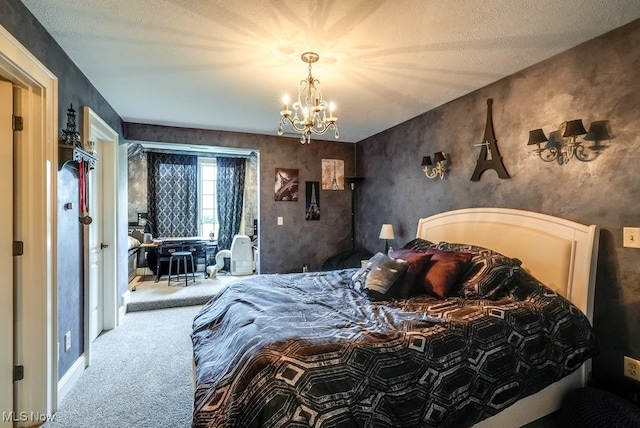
(305, 350)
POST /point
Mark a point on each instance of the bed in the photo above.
(498, 348)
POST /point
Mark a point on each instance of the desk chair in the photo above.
(241, 255)
(184, 255)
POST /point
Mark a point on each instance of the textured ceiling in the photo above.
(222, 64)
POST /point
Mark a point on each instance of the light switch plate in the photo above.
(631, 237)
(280, 221)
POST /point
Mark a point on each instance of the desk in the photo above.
(160, 249)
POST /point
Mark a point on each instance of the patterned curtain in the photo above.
(229, 192)
(173, 194)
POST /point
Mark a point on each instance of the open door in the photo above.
(101, 279)
(6, 254)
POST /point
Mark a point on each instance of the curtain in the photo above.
(173, 194)
(229, 194)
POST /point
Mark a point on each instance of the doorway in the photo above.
(100, 237)
(34, 224)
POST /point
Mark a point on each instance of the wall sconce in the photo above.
(567, 147)
(386, 233)
(433, 171)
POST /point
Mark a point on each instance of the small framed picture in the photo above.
(312, 200)
(332, 174)
(286, 185)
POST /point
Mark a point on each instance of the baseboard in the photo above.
(122, 310)
(70, 378)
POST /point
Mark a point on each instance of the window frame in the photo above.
(206, 162)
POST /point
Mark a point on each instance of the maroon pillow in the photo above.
(442, 273)
(417, 262)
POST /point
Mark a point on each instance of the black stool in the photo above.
(184, 255)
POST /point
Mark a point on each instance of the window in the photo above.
(207, 212)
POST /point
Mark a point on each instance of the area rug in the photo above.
(150, 295)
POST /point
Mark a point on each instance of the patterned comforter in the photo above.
(305, 350)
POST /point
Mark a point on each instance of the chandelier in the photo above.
(310, 115)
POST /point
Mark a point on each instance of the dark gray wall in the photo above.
(297, 242)
(597, 81)
(73, 88)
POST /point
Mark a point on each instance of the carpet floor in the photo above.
(150, 295)
(140, 375)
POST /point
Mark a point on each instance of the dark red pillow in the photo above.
(442, 273)
(417, 261)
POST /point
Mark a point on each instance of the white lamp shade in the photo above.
(387, 231)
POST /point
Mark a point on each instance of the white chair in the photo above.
(241, 257)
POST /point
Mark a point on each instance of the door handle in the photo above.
(103, 246)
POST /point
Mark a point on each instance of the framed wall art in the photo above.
(332, 174)
(312, 200)
(286, 185)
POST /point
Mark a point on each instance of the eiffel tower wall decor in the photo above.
(489, 157)
(286, 185)
(332, 174)
(312, 200)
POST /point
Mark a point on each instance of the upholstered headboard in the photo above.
(560, 253)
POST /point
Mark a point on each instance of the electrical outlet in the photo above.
(280, 221)
(631, 237)
(67, 341)
(632, 368)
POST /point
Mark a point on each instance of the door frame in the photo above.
(35, 175)
(6, 251)
(96, 129)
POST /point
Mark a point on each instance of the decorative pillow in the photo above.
(490, 273)
(380, 278)
(417, 261)
(442, 273)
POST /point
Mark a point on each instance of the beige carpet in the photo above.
(150, 295)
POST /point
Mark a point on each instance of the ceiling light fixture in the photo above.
(310, 111)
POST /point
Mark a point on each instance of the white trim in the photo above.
(219, 150)
(70, 378)
(122, 310)
(36, 308)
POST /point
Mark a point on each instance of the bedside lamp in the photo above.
(386, 233)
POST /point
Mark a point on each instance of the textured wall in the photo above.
(137, 179)
(297, 242)
(596, 81)
(73, 88)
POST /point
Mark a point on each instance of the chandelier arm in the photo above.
(294, 124)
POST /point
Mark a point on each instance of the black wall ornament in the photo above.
(489, 157)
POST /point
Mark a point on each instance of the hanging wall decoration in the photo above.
(332, 174)
(286, 185)
(489, 157)
(312, 200)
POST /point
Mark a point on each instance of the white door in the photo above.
(101, 237)
(6, 252)
(95, 245)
